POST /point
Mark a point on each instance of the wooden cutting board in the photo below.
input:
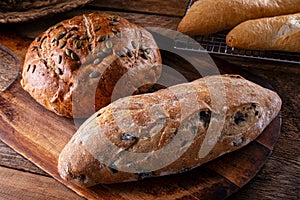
(40, 135)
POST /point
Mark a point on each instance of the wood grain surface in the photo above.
(279, 178)
(28, 181)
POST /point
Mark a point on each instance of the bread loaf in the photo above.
(168, 131)
(211, 16)
(276, 33)
(73, 67)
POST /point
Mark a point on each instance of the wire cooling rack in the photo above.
(216, 44)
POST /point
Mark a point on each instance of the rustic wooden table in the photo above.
(278, 179)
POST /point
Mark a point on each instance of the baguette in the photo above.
(72, 68)
(169, 131)
(211, 16)
(280, 33)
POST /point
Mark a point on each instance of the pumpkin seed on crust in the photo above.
(109, 44)
(94, 74)
(60, 35)
(68, 52)
(74, 56)
(97, 28)
(62, 44)
(78, 44)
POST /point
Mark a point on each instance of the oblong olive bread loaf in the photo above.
(168, 131)
(73, 67)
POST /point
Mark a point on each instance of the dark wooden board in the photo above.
(40, 135)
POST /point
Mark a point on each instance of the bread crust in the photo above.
(211, 16)
(281, 33)
(73, 67)
(150, 123)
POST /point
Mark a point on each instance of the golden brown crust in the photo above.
(276, 33)
(211, 16)
(72, 68)
(183, 120)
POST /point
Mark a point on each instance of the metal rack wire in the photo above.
(216, 44)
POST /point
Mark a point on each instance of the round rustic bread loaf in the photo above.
(74, 66)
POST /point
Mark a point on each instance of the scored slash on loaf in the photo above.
(72, 68)
(169, 131)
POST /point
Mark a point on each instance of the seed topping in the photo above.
(115, 30)
(74, 28)
(60, 35)
(97, 61)
(68, 52)
(134, 45)
(75, 36)
(108, 44)
(33, 48)
(58, 71)
(62, 44)
(121, 53)
(55, 43)
(57, 26)
(119, 34)
(78, 44)
(94, 74)
(97, 28)
(83, 37)
(116, 18)
(107, 50)
(74, 56)
(113, 23)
